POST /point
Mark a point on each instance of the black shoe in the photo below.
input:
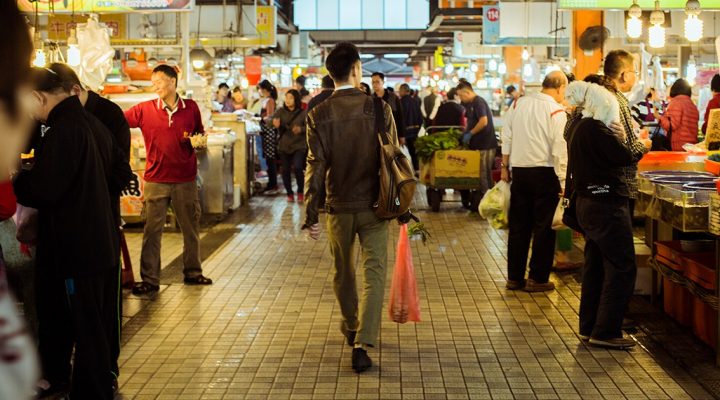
(360, 360)
(198, 280)
(54, 391)
(349, 336)
(144, 288)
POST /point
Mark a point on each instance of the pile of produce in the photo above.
(712, 157)
(426, 145)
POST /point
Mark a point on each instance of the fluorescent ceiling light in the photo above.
(367, 56)
(396, 55)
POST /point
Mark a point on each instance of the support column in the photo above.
(586, 63)
(513, 61)
(185, 32)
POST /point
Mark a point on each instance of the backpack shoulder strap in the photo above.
(380, 120)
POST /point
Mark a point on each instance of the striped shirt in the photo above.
(637, 149)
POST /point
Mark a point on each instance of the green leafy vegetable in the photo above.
(712, 157)
(427, 145)
(419, 229)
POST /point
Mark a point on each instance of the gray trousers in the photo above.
(186, 204)
(364, 315)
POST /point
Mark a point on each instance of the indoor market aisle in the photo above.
(268, 327)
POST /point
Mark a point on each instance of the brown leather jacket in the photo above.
(344, 151)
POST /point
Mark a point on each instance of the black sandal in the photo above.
(144, 288)
(198, 280)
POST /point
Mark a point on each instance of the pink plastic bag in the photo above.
(404, 301)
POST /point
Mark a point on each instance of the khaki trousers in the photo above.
(373, 234)
(186, 204)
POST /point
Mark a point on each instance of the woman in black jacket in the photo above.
(596, 158)
(292, 146)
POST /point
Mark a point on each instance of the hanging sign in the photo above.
(59, 25)
(105, 6)
(265, 26)
(467, 44)
(491, 24)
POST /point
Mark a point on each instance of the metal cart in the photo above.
(445, 171)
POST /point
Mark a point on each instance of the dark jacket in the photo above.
(68, 184)
(289, 142)
(112, 116)
(344, 152)
(596, 159)
(397, 111)
(450, 113)
(322, 96)
(411, 115)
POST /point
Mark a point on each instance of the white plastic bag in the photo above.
(557, 222)
(97, 53)
(495, 205)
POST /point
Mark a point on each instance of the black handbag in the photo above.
(660, 142)
(270, 138)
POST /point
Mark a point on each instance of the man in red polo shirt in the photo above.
(167, 125)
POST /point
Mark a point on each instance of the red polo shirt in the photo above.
(170, 156)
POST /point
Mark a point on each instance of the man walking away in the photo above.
(379, 90)
(167, 124)
(533, 145)
(413, 121)
(328, 87)
(336, 148)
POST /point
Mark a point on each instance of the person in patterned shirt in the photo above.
(621, 71)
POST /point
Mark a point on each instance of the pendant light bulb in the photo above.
(527, 70)
(502, 68)
(525, 54)
(691, 72)
(657, 31)
(40, 59)
(73, 51)
(634, 23)
(693, 24)
(492, 65)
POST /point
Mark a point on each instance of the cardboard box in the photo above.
(457, 169)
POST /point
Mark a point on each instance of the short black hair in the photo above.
(510, 89)
(715, 83)
(570, 77)
(464, 85)
(616, 61)
(296, 98)
(67, 75)
(680, 87)
(169, 71)
(223, 86)
(405, 86)
(341, 60)
(327, 82)
(379, 75)
(601, 80)
(47, 80)
(451, 94)
(365, 88)
(300, 80)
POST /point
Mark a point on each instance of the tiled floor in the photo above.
(268, 327)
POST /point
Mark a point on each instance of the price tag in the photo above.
(714, 224)
(712, 135)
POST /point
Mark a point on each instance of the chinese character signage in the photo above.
(712, 135)
(105, 6)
